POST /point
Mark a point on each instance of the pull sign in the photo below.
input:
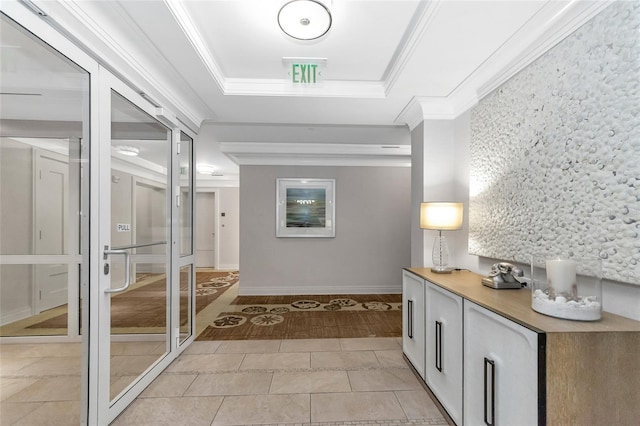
(123, 227)
(305, 73)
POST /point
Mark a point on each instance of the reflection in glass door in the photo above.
(44, 148)
(139, 256)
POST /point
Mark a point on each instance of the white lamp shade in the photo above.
(441, 216)
(304, 19)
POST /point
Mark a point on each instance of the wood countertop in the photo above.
(516, 305)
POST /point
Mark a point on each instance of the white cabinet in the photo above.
(511, 366)
(413, 320)
(500, 370)
(443, 371)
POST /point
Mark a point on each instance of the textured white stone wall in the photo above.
(555, 152)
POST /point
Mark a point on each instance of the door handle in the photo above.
(127, 269)
(488, 363)
(439, 345)
(410, 318)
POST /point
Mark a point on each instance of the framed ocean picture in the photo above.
(305, 208)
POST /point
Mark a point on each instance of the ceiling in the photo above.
(389, 63)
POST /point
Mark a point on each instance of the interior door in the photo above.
(135, 306)
(205, 238)
(51, 223)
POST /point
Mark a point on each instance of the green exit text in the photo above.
(304, 73)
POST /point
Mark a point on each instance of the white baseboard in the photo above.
(235, 267)
(16, 315)
(329, 289)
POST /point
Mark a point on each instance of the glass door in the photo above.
(136, 208)
(45, 140)
(96, 231)
(187, 310)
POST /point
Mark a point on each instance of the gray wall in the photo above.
(373, 233)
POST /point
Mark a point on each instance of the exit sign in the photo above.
(304, 73)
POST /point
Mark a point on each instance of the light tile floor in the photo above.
(40, 382)
(272, 382)
(320, 382)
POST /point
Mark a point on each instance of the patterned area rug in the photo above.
(145, 305)
(210, 285)
(308, 317)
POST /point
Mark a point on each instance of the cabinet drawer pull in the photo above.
(439, 346)
(410, 318)
(492, 407)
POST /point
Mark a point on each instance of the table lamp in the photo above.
(441, 216)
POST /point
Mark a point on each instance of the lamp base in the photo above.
(441, 270)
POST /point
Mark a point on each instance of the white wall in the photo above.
(555, 152)
(371, 246)
(229, 228)
(433, 163)
(619, 298)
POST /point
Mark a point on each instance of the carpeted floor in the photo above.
(145, 306)
(308, 317)
(251, 317)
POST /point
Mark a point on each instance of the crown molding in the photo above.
(194, 37)
(228, 180)
(114, 56)
(317, 154)
(530, 44)
(324, 89)
(553, 23)
(425, 13)
(422, 108)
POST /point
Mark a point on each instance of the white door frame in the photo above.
(216, 212)
(187, 260)
(108, 410)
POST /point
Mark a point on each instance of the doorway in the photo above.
(206, 215)
(75, 274)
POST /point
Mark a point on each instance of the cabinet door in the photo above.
(500, 370)
(444, 348)
(413, 320)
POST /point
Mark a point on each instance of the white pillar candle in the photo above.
(561, 275)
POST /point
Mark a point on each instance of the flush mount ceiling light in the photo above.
(205, 169)
(130, 151)
(304, 19)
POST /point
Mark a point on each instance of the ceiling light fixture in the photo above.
(205, 169)
(130, 151)
(304, 19)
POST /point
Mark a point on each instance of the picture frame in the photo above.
(305, 208)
